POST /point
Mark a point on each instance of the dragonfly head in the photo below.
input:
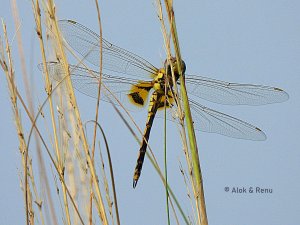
(174, 64)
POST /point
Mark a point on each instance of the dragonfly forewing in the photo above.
(115, 59)
(222, 92)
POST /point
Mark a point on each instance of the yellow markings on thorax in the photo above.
(159, 86)
(158, 82)
(160, 71)
(139, 93)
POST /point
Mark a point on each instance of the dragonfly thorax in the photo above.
(164, 76)
(172, 64)
(160, 82)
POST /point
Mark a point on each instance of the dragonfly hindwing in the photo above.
(139, 93)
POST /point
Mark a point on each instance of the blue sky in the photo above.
(238, 41)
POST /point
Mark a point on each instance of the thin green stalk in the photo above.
(165, 155)
(169, 188)
(154, 163)
(199, 192)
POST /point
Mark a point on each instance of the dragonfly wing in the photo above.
(114, 89)
(87, 44)
(209, 120)
(232, 93)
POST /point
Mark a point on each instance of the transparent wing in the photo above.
(86, 43)
(232, 93)
(209, 120)
(86, 82)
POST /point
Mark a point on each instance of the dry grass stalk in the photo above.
(10, 77)
(71, 156)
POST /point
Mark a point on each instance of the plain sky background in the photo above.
(242, 41)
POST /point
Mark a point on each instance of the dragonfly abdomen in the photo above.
(153, 106)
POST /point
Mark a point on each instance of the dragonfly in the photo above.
(137, 83)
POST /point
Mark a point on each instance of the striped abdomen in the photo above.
(153, 106)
